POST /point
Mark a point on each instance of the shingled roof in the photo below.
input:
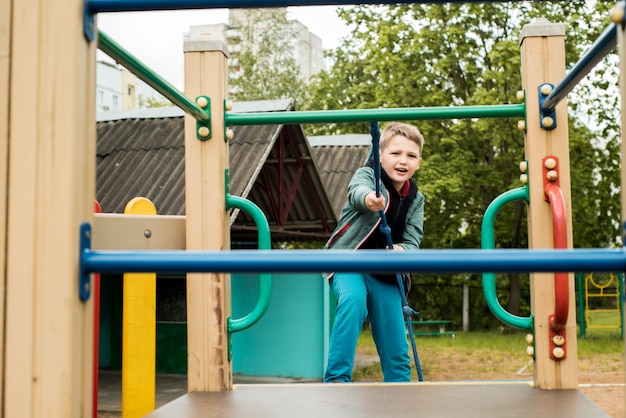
(300, 188)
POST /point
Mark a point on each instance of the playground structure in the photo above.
(47, 257)
(600, 301)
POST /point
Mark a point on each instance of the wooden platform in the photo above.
(512, 399)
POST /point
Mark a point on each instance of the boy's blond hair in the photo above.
(397, 128)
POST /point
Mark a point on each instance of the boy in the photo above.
(360, 295)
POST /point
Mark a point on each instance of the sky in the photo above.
(156, 38)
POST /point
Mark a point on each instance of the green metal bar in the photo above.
(581, 304)
(265, 279)
(488, 242)
(119, 54)
(620, 281)
(367, 115)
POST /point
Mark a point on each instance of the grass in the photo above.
(493, 356)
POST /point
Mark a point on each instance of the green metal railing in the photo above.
(488, 242)
(367, 115)
(265, 279)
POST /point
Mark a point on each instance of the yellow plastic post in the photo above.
(139, 332)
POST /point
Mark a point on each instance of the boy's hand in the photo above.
(374, 203)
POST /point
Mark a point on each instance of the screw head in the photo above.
(202, 102)
(558, 352)
(521, 125)
(523, 166)
(550, 163)
(617, 14)
(552, 175)
(523, 178)
(203, 131)
(558, 340)
(229, 134)
(546, 89)
(547, 122)
(520, 95)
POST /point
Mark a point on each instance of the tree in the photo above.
(264, 64)
(468, 54)
(149, 102)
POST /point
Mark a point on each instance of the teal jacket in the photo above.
(357, 222)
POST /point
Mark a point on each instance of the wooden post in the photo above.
(543, 61)
(5, 51)
(617, 16)
(49, 187)
(208, 228)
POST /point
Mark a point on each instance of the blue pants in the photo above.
(360, 295)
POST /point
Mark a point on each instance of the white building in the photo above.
(307, 47)
(119, 89)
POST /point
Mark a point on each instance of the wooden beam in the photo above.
(543, 61)
(208, 227)
(50, 191)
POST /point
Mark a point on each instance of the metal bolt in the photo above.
(547, 122)
(147, 233)
(523, 178)
(203, 131)
(546, 89)
(558, 340)
(550, 163)
(617, 14)
(552, 175)
(558, 353)
(202, 102)
(523, 166)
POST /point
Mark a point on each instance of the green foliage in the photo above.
(468, 54)
(149, 102)
(265, 68)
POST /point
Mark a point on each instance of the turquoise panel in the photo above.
(291, 338)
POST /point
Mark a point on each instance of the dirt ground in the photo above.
(607, 391)
(604, 385)
(602, 379)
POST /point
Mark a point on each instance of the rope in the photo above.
(386, 231)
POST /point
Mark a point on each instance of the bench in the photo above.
(425, 325)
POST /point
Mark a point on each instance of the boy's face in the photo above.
(400, 159)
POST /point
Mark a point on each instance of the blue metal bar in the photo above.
(307, 261)
(600, 48)
(98, 6)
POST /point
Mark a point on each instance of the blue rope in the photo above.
(386, 231)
